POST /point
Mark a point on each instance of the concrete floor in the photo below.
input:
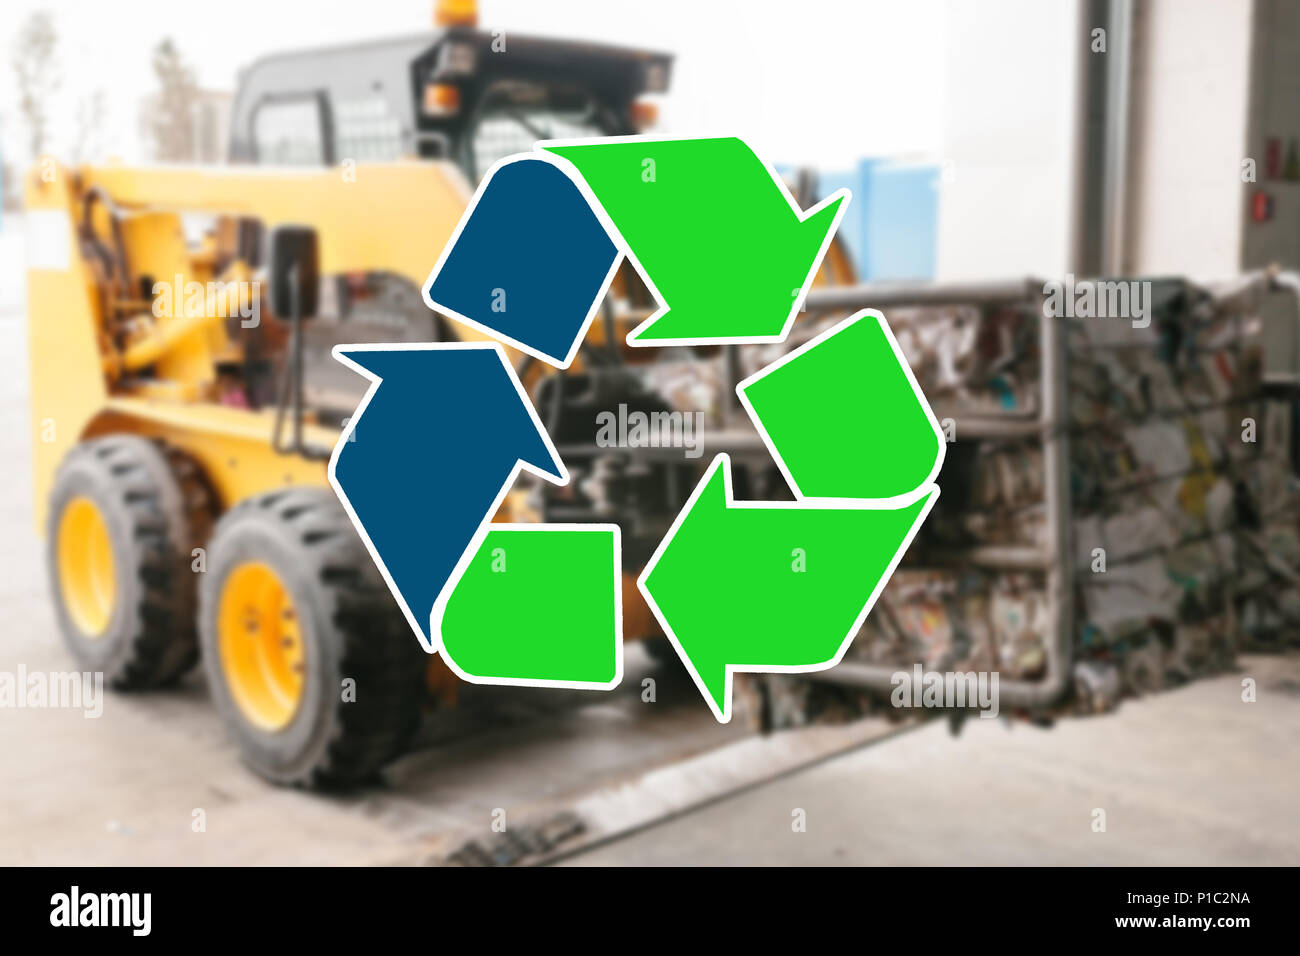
(1190, 776)
(1193, 776)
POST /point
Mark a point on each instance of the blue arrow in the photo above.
(529, 262)
(431, 451)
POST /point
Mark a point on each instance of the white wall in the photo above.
(1008, 131)
(1191, 85)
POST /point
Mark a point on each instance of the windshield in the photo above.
(512, 116)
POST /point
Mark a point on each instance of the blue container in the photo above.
(892, 226)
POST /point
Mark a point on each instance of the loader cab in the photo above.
(456, 96)
(459, 94)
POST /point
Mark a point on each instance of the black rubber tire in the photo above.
(158, 509)
(660, 650)
(350, 626)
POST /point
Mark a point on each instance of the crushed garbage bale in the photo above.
(1179, 536)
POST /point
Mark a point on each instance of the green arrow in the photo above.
(757, 586)
(844, 417)
(714, 232)
(536, 605)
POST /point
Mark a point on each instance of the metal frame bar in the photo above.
(1056, 559)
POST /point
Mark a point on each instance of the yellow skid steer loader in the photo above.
(184, 402)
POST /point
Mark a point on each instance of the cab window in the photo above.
(512, 116)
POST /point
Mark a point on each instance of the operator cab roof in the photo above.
(373, 93)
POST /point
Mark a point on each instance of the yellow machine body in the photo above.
(393, 217)
(89, 379)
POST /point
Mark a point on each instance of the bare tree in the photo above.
(37, 75)
(9, 196)
(8, 192)
(90, 127)
(171, 123)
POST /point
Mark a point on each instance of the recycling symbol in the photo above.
(445, 429)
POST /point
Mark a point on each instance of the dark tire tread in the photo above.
(374, 644)
(170, 509)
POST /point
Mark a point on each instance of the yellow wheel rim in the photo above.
(87, 576)
(261, 647)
